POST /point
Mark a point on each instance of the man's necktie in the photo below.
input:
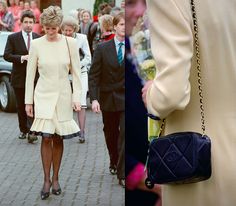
(120, 54)
(28, 41)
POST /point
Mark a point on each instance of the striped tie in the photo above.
(120, 55)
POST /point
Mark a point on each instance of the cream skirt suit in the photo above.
(174, 93)
(52, 96)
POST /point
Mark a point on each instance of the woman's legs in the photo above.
(81, 119)
(46, 155)
(82, 114)
(57, 153)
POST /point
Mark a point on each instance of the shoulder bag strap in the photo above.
(197, 48)
(69, 53)
(200, 92)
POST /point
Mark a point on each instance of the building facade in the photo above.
(68, 5)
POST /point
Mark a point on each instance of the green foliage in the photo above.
(96, 5)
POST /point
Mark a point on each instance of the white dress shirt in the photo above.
(25, 37)
(117, 46)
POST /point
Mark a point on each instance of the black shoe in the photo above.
(113, 169)
(122, 182)
(81, 138)
(22, 135)
(56, 191)
(32, 138)
(45, 195)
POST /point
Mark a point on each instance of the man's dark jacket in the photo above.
(107, 78)
(15, 48)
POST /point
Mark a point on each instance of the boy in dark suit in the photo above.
(107, 92)
(16, 51)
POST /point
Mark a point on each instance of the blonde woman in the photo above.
(88, 27)
(52, 98)
(69, 28)
(106, 25)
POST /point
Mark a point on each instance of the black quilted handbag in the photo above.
(179, 158)
(183, 157)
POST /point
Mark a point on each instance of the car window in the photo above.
(3, 40)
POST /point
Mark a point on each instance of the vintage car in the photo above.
(7, 96)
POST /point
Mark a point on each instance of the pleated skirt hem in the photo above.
(55, 128)
(48, 135)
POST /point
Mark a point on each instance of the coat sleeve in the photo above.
(9, 51)
(95, 74)
(75, 71)
(87, 54)
(30, 74)
(172, 47)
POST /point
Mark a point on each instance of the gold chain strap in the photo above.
(70, 65)
(196, 40)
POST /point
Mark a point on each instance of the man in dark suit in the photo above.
(16, 51)
(107, 92)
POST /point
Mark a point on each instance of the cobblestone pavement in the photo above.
(84, 175)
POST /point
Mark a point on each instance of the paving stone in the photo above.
(84, 176)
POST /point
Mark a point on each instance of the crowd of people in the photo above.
(49, 85)
(10, 13)
(90, 57)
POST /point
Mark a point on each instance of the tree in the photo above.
(98, 2)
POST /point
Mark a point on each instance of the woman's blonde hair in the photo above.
(51, 16)
(106, 22)
(4, 4)
(70, 21)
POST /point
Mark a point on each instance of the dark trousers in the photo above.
(114, 131)
(24, 121)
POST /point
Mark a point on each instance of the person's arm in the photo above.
(172, 48)
(87, 54)
(8, 22)
(9, 51)
(30, 76)
(95, 74)
(76, 74)
(3, 24)
(136, 176)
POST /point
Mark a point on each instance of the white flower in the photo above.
(147, 64)
(139, 37)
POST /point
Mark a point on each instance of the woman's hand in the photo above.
(144, 91)
(29, 110)
(76, 106)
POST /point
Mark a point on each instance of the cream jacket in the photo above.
(174, 93)
(53, 91)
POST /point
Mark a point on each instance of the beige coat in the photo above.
(53, 92)
(174, 92)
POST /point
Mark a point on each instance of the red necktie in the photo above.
(28, 41)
